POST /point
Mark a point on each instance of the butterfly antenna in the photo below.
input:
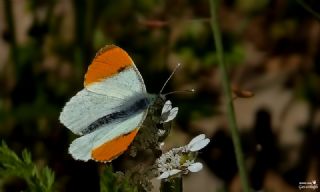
(182, 91)
(175, 69)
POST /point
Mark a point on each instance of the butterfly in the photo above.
(108, 112)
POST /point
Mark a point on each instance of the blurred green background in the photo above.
(272, 48)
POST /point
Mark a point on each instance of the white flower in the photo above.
(192, 166)
(161, 145)
(161, 132)
(195, 167)
(181, 160)
(169, 160)
(169, 173)
(197, 143)
(168, 113)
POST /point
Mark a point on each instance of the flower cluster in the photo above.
(181, 160)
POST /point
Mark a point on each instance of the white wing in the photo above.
(112, 84)
(100, 99)
(125, 84)
(82, 147)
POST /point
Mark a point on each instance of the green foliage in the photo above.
(11, 165)
(251, 6)
(214, 5)
(171, 185)
(114, 182)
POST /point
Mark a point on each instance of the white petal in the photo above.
(166, 107)
(161, 145)
(173, 113)
(161, 132)
(174, 171)
(164, 175)
(196, 139)
(195, 167)
(199, 145)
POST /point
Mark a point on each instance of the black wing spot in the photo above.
(121, 69)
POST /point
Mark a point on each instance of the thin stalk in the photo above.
(171, 185)
(227, 92)
(11, 31)
(309, 9)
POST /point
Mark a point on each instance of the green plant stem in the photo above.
(309, 9)
(228, 95)
(11, 31)
(171, 185)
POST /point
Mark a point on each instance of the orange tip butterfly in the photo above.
(109, 110)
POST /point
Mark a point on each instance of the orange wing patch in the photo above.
(109, 61)
(112, 149)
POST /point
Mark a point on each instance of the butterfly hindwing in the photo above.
(90, 146)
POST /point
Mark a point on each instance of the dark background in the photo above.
(272, 48)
